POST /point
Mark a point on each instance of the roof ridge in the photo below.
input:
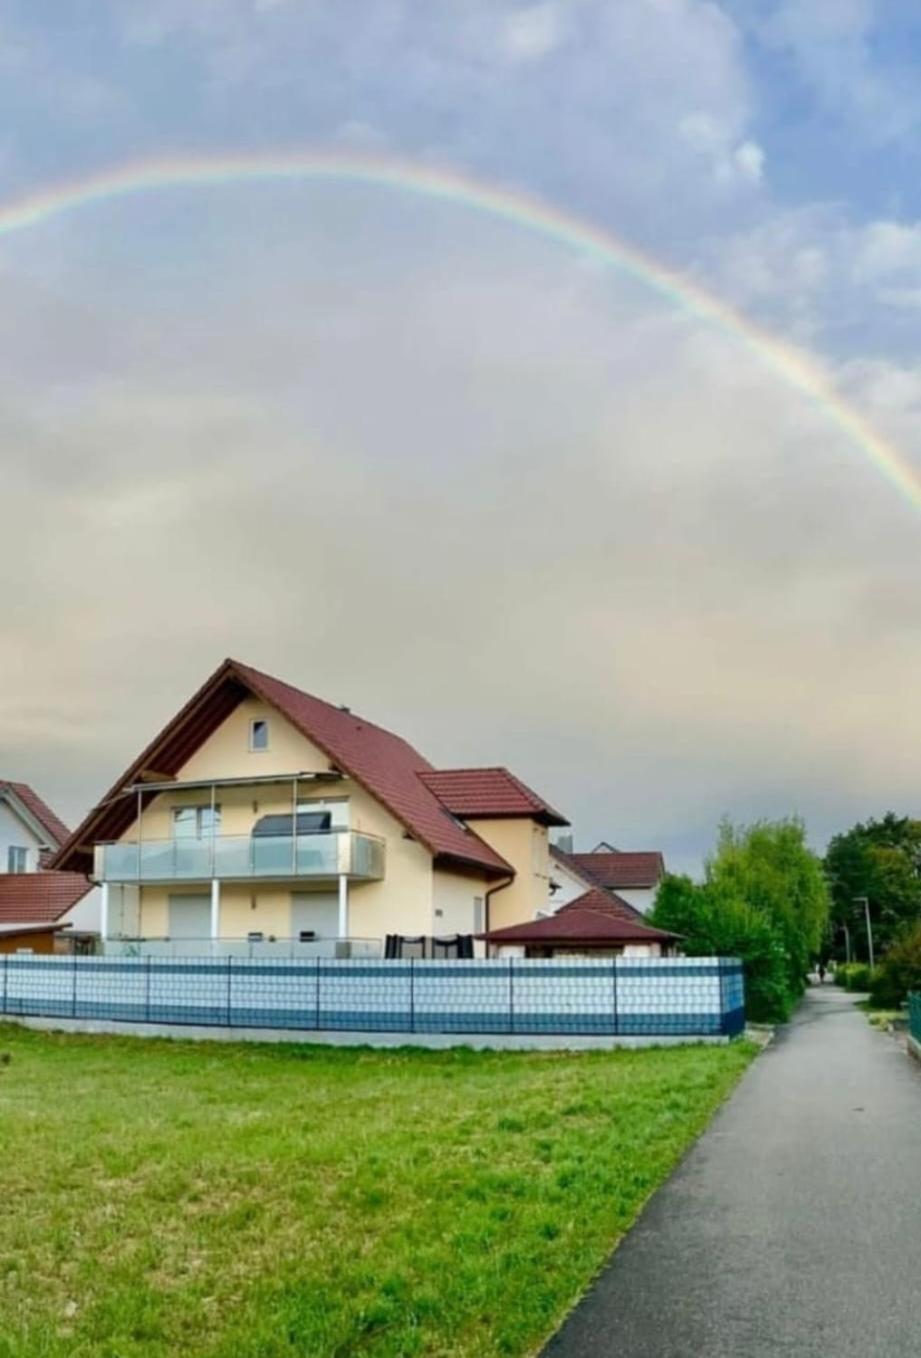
(341, 708)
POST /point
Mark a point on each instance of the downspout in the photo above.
(492, 891)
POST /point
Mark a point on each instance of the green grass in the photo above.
(242, 1201)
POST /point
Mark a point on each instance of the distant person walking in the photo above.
(821, 971)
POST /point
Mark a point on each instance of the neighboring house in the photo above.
(29, 829)
(30, 894)
(261, 813)
(596, 924)
(634, 876)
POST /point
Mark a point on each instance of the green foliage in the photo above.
(900, 970)
(857, 976)
(879, 860)
(217, 1200)
(769, 866)
(764, 899)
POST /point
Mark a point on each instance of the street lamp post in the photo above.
(864, 901)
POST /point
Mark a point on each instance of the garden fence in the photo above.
(914, 1016)
(686, 996)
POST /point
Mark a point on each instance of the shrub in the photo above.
(859, 976)
(711, 921)
(900, 970)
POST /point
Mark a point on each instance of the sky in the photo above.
(489, 490)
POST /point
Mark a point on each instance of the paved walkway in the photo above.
(794, 1225)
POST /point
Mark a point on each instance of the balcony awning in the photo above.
(327, 776)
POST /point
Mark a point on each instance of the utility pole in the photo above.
(847, 944)
(864, 901)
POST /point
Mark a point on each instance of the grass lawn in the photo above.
(190, 1199)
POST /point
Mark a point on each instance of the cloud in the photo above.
(532, 33)
(728, 161)
(853, 58)
(430, 464)
(515, 509)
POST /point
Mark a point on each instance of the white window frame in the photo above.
(17, 858)
(200, 810)
(253, 747)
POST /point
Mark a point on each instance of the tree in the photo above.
(764, 899)
(879, 860)
(714, 923)
(769, 866)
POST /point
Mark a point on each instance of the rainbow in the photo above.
(518, 208)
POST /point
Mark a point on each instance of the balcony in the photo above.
(332, 854)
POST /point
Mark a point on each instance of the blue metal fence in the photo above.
(699, 996)
(914, 1016)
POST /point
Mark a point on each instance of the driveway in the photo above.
(793, 1226)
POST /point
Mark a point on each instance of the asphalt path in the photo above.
(794, 1224)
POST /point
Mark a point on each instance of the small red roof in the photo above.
(53, 826)
(613, 870)
(28, 930)
(487, 793)
(593, 919)
(39, 897)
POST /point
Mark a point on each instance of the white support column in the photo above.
(215, 909)
(104, 911)
(343, 905)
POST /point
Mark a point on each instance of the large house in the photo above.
(633, 876)
(36, 904)
(262, 815)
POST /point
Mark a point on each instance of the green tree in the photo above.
(764, 899)
(879, 860)
(714, 923)
(770, 867)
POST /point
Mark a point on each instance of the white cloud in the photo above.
(728, 161)
(532, 33)
(884, 248)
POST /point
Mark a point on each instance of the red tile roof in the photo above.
(53, 826)
(593, 919)
(39, 897)
(607, 902)
(613, 870)
(380, 761)
(487, 793)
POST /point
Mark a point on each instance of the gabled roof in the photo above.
(383, 763)
(55, 829)
(39, 897)
(593, 919)
(614, 870)
(598, 898)
(489, 793)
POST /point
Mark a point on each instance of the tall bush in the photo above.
(900, 970)
(714, 923)
(763, 899)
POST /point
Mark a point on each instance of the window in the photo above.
(196, 822)
(478, 914)
(259, 735)
(16, 858)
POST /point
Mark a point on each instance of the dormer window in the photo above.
(259, 734)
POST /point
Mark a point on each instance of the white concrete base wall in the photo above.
(431, 1041)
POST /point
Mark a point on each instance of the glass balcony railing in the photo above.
(343, 852)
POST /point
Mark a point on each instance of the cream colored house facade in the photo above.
(263, 817)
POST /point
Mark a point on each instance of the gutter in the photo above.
(492, 891)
